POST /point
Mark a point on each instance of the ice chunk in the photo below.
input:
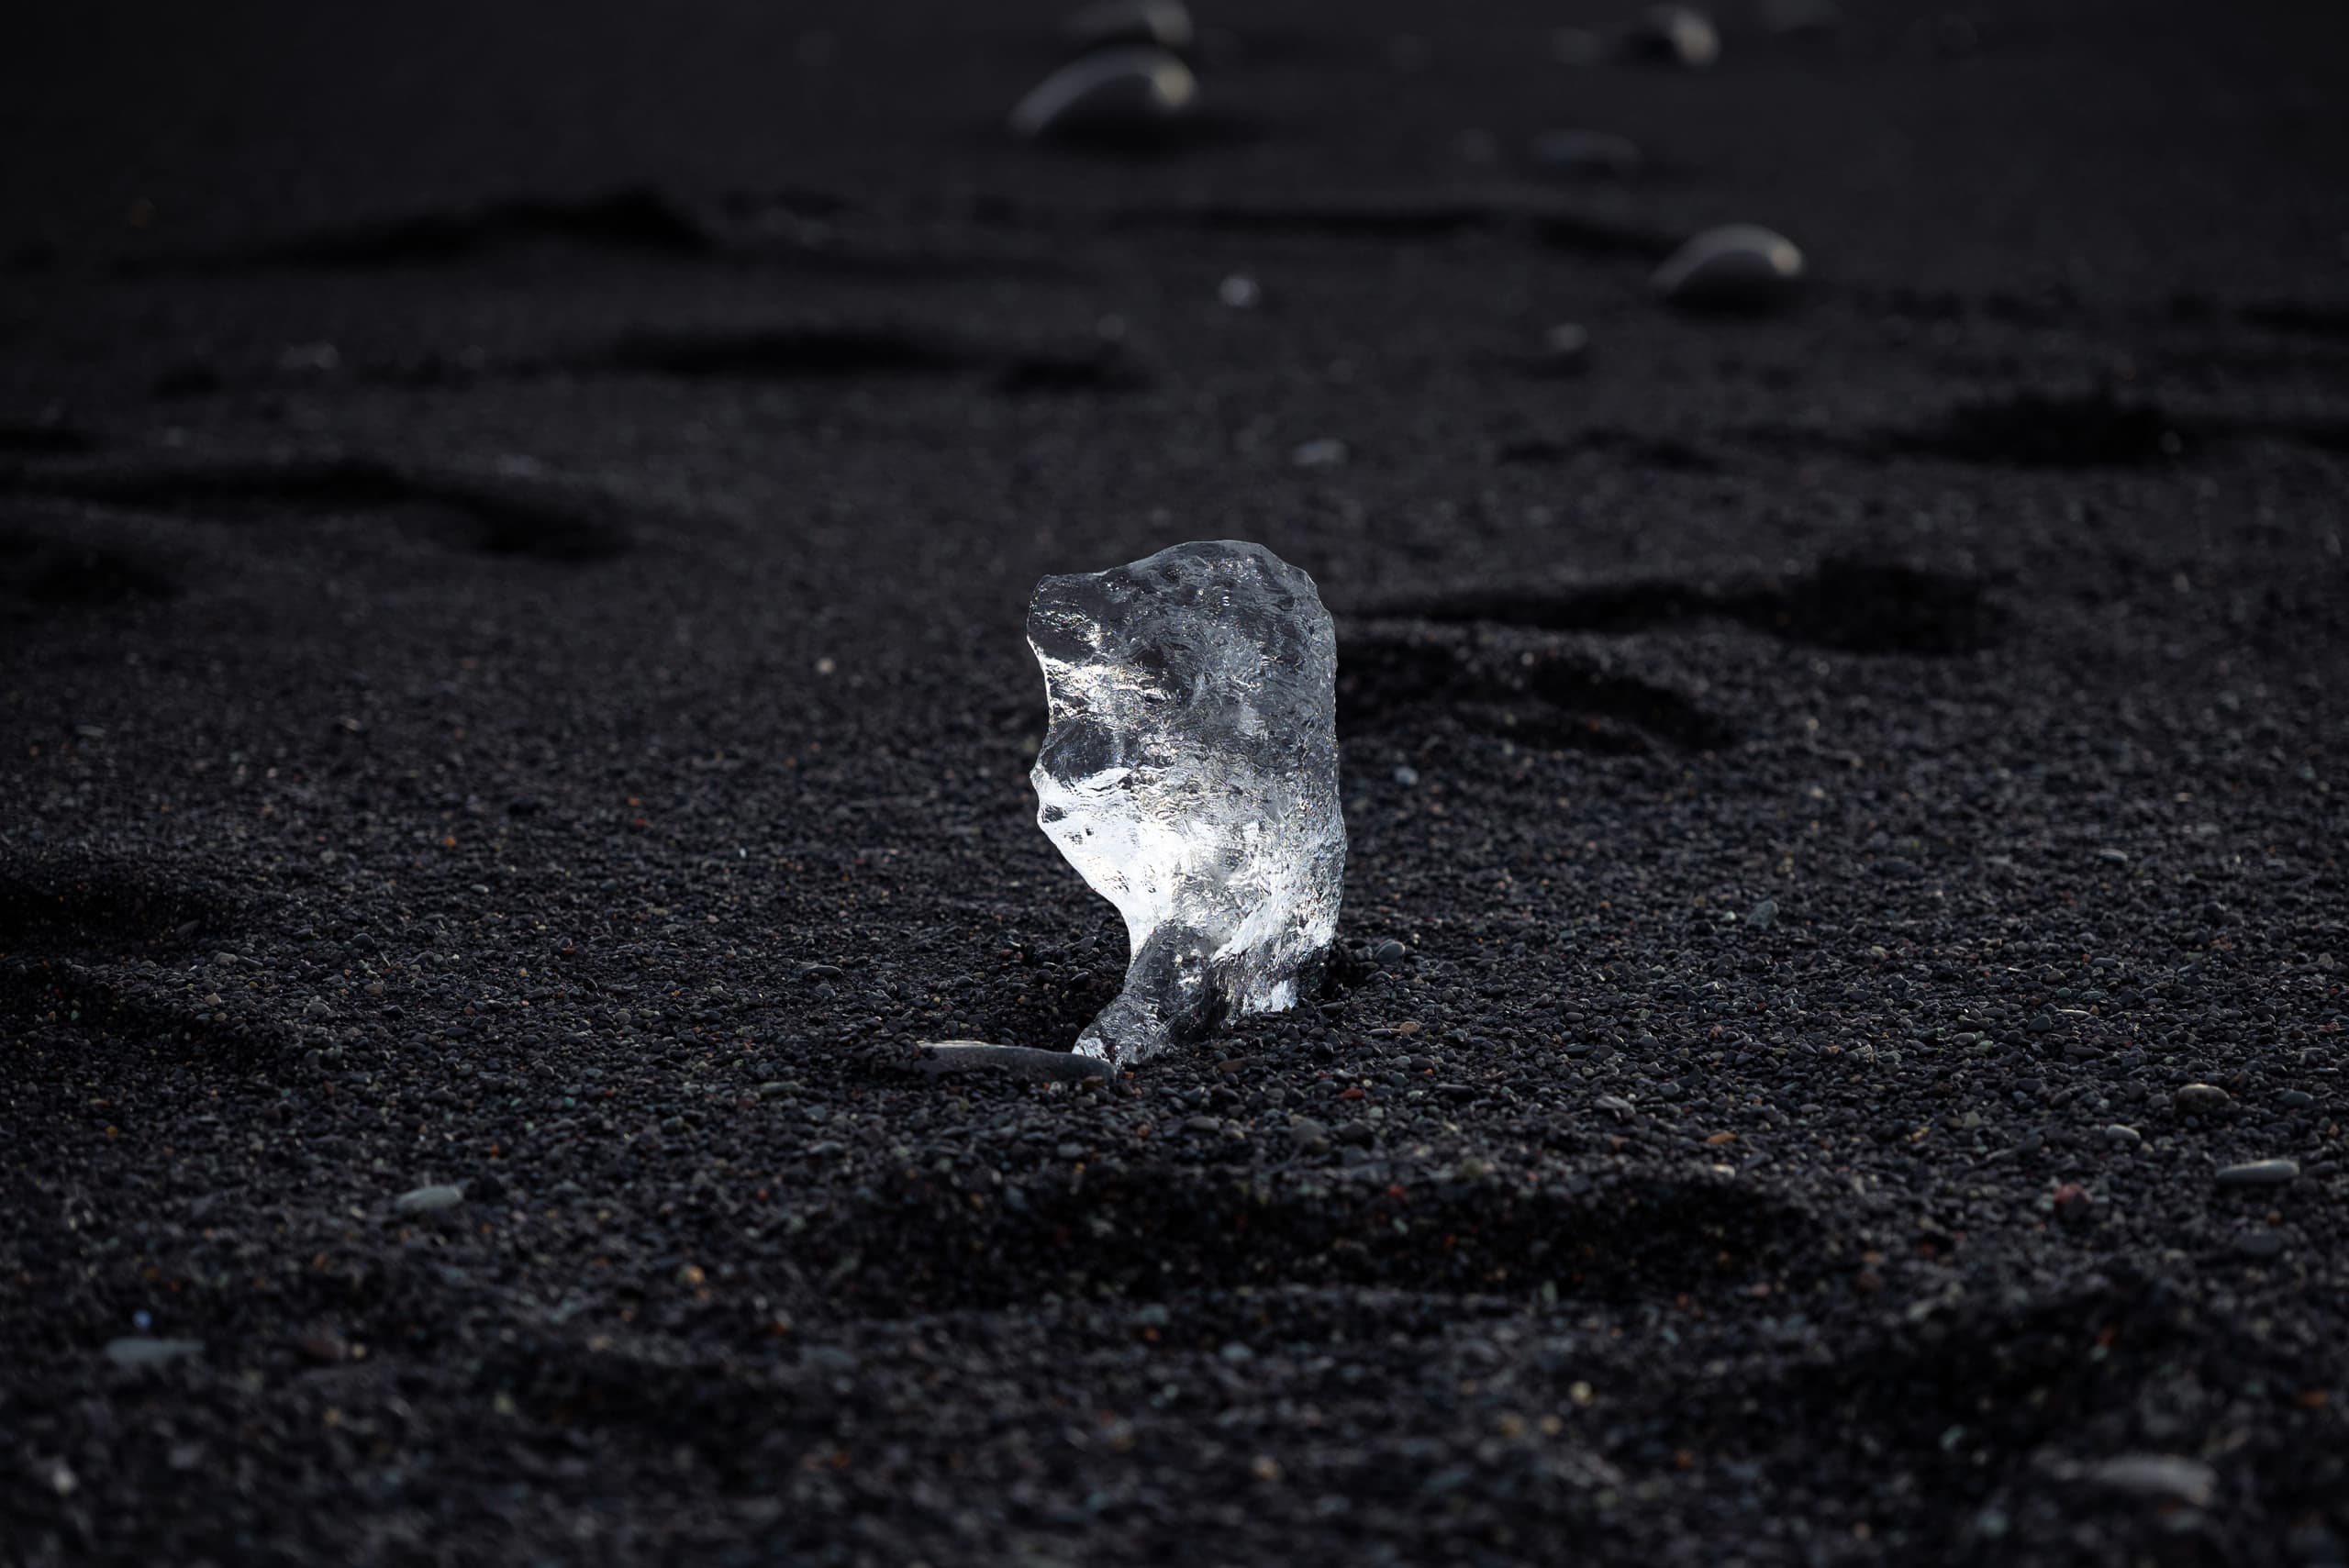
(1190, 773)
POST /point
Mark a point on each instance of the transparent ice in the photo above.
(1190, 773)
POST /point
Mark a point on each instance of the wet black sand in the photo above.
(513, 534)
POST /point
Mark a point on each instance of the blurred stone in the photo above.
(1162, 24)
(1476, 145)
(2259, 1173)
(1586, 154)
(1566, 346)
(2166, 1477)
(1737, 267)
(1674, 35)
(2201, 1099)
(312, 359)
(1576, 46)
(1326, 451)
(137, 1350)
(2262, 1244)
(429, 1200)
(1790, 16)
(1116, 94)
(1025, 1062)
(1240, 291)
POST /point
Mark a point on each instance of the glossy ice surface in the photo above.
(1190, 773)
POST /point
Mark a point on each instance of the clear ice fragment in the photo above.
(1190, 773)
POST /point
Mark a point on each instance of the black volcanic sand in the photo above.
(514, 529)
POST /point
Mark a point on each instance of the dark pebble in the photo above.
(2266, 1242)
(1586, 154)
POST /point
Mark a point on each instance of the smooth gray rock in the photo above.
(1134, 90)
(2201, 1099)
(2259, 1173)
(2166, 1477)
(427, 1200)
(137, 1350)
(1737, 267)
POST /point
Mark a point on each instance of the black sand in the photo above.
(513, 536)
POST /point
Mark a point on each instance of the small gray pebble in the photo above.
(1785, 17)
(2259, 1173)
(2201, 1099)
(1116, 91)
(1587, 153)
(1026, 1063)
(2266, 1242)
(429, 1200)
(137, 1350)
(1406, 774)
(1763, 914)
(1674, 35)
(2168, 1477)
(1389, 950)
(1577, 46)
(1566, 345)
(2127, 1136)
(1737, 267)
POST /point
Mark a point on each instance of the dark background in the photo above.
(514, 527)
